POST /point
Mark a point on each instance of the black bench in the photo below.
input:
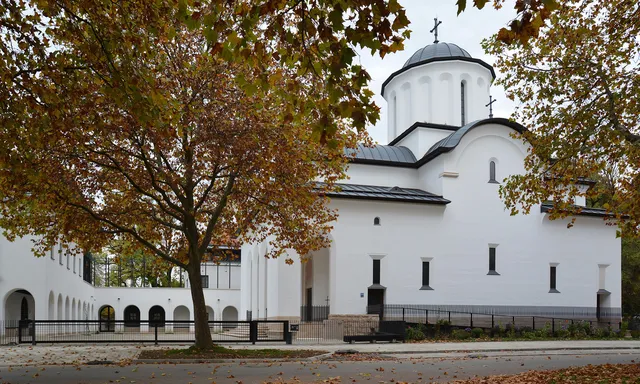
(374, 337)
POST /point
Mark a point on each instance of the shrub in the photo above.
(497, 331)
(477, 332)
(635, 334)
(415, 334)
(460, 334)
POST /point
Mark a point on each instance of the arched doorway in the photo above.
(315, 285)
(107, 319)
(156, 316)
(181, 313)
(132, 316)
(210, 314)
(19, 307)
(230, 314)
(67, 309)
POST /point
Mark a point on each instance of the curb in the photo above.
(505, 350)
(221, 361)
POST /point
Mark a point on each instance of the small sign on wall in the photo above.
(294, 327)
(361, 294)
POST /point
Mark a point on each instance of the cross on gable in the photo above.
(435, 29)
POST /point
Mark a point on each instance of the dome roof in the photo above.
(434, 51)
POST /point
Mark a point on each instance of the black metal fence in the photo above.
(314, 313)
(118, 331)
(425, 316)
(332, 331)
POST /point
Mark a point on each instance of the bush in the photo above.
(497, 331)
(415, 333)
(477, 332)
(635, 334)
(460, 334)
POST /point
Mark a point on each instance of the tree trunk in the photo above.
(203, 332)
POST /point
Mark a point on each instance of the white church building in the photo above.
(420, 224)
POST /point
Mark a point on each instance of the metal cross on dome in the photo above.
(490, 105)
(435, 28)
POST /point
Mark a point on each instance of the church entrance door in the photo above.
(375, 300)
(309, 304)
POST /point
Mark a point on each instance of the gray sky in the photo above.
(466, 30)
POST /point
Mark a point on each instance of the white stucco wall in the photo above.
(431, 93)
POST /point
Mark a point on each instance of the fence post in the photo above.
(492, 324)
(19, 331)
(33, 331)
(449, 317)
(402, 313)
(155, 332)
(533, 318)
(471, 326)
(287, 333)
(253, 331)
(553, 326)
(426, 317)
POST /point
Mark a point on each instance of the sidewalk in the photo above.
(44, 354)
(389, 348)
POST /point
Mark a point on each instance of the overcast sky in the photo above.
(466, 30)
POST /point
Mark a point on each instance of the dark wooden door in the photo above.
(309, 304)
(375, 297)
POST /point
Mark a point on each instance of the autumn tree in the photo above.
(174, 125)
(576, 85)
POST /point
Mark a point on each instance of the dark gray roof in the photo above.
(452, 141)
(382, 153)
(373, 192)
(584, 211)
(437, 50)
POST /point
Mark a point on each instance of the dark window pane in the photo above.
(462, 102)
(492, 259)
(553, 278)
(376, 271)
(492, 171)
(425, 273)
(205, 281)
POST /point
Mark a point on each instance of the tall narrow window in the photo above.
(426, 271)
(60, 254)
(205, 281)
(552, 278)
(395, 116)
(463, 117)
(492, 172)
(376, 271)
(492, 261)
(74, 263)
(68, 266)
(376, 221)
(53, 251)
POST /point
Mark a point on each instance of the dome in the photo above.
(435, 51)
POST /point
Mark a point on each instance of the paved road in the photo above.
(408, 368)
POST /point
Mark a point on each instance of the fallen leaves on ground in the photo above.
(612, 373)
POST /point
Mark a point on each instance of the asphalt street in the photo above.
(408, 368)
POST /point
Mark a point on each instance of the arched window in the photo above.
(463, 101)
(492, 172)
(376, 221)
(395, 116)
